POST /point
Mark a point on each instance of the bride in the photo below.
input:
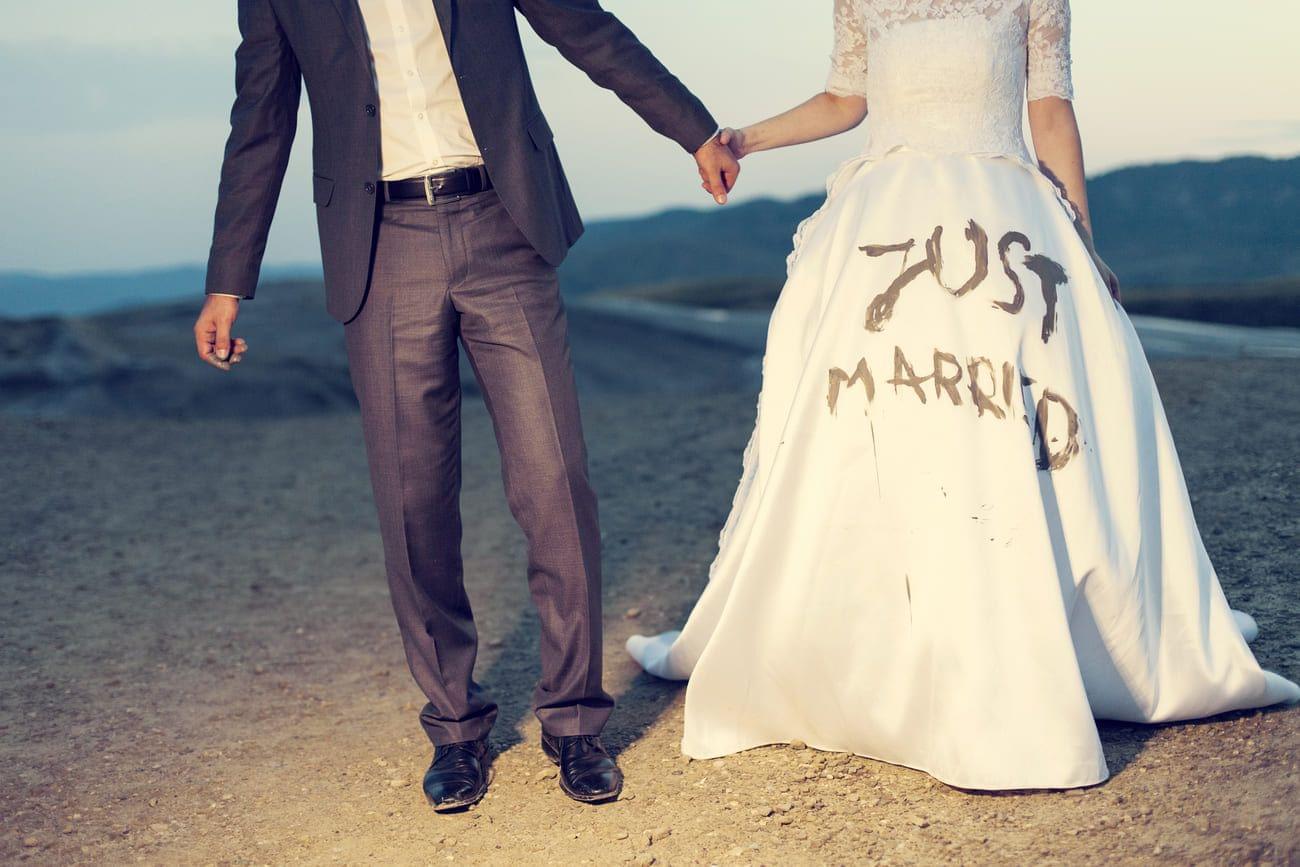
(962, 532)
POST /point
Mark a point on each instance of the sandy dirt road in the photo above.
(199, 662)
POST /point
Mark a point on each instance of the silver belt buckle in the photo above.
(428, 189)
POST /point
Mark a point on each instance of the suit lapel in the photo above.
(354, 24)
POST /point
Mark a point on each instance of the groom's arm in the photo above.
(601, 46)
(268, 87)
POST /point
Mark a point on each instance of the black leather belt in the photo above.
(455, 182)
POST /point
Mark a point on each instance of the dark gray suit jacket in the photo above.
(323, 43)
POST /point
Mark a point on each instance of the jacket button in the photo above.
(370, 111)
(370, 188)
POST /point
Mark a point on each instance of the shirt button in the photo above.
(370, 110)
(369, 188)
(420, 115)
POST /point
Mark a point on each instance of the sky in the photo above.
(114, 115)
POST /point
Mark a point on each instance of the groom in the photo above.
(443, 213)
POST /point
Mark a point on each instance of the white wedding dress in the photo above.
(962, 531)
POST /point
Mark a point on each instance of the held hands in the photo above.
(212, 332)
(737, 140)
(719, 168)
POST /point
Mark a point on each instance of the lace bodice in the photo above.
(950, 75)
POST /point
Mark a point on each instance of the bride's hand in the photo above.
(734, 139)
(1107, 276)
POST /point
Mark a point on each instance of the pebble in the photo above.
(547, 774)
(632, 613)
(496, 642)
(621, 835)
(658, 834)
(31, 842)
(763, 812)
(785, 820)
(920, 821)
(160, 827)
(798, 745)
(644, 860)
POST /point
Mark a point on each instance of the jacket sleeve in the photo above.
(596, 42)
(268, 87)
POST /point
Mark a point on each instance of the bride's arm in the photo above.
(1060, 149)
(1055, 130)
(823, 116)
(839, 109)
(1057, 142)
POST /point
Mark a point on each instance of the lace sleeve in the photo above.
(1049, 49)
(849, 59)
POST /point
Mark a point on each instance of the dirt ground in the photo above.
(199, 662)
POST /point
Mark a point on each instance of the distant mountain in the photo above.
(24, 293)
(1169, 225)
(738, 241)
(1182, 223)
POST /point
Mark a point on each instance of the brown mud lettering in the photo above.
(905, 375)
(877, 250)
(1049, 458)
(1017, 301)
(839, 378)
(947, 383)
(1008, 382)
(882, 306)
(980, 238)
(1052, 276)
(981, 398)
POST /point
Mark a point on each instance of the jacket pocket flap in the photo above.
(322, 190)
(540, 132)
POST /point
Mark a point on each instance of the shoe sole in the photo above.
(463, 803)
(582, 799)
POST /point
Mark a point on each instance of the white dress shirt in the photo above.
(424, 127)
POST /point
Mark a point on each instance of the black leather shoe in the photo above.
(458, 777)
(587, 773)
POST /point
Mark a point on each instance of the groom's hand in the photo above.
(719, 169)
(212, 332)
